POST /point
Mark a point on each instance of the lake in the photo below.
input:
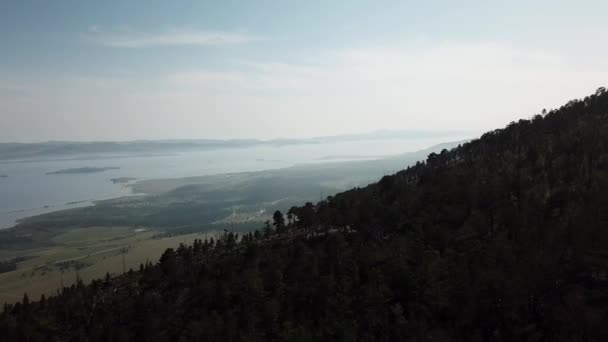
(29, 191)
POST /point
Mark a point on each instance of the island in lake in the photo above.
(82, 170)
(122, 180)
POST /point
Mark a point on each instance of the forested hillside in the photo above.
(504, 238)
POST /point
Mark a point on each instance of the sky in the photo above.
(126, 70)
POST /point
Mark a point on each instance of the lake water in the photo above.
(29, 191)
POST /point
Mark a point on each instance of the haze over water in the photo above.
(29, 191)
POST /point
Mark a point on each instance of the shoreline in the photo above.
(52, 208)
(157, 186)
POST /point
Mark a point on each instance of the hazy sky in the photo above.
(118, 70)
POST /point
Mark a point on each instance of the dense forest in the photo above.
(504, 238)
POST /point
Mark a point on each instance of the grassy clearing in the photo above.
(88, 253)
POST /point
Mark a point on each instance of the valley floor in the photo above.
(87, 253)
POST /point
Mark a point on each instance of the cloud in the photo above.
(420, 85)
(434, 85)
(175, 37)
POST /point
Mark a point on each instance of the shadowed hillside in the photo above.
(501, 239)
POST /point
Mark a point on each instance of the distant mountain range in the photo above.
(64, 149)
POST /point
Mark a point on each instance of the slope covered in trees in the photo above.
(502, 238)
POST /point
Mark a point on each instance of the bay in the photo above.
(28, 190)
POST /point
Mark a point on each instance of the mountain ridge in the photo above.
(55, 149)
